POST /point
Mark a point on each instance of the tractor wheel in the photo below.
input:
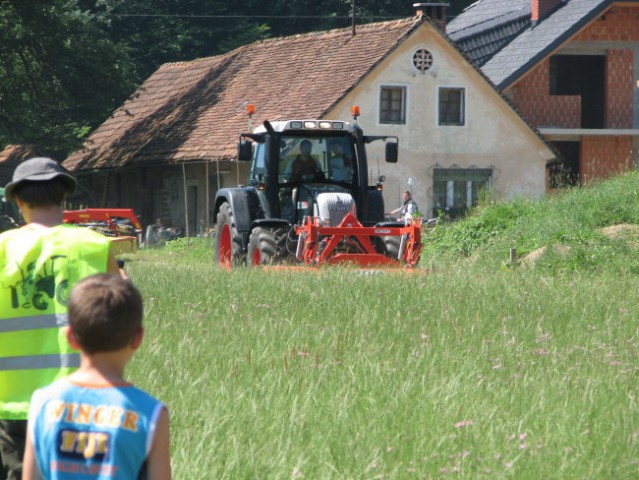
(391, 246)
(267, 247)
(152, 237)
(228, 243)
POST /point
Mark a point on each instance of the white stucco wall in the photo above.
(494, 136)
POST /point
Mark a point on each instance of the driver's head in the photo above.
(306, 146)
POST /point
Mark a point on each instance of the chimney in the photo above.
(539, 8)
(434, 11)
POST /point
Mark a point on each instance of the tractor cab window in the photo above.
(315, 159)
(258, 169)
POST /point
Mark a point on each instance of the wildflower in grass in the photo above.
(464, 423)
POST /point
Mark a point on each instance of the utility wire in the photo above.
(323, 17)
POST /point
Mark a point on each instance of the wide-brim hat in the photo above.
(38, 169)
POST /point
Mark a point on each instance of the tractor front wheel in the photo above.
(391, 246)
(228, 243)
(267, 246)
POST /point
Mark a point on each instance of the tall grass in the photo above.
(465, 369)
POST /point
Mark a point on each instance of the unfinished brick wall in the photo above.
(619, 88)
(532, 98)
(618, 24)
(604, 156)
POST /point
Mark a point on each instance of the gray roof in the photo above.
(512, 54)
(480, 14)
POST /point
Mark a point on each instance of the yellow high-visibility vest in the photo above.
(38, 268)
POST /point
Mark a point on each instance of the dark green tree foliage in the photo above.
(160, 31)
(60, 74)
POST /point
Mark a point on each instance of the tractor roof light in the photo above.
(310, 125)
(296, 125)
(325, 124)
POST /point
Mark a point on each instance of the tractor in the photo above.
(308, 201)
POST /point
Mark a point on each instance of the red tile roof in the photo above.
(190, 111)
(12, 156)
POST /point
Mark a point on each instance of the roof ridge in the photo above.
(317, 33)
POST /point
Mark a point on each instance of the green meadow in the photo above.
(477, 365)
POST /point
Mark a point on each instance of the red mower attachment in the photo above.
(121, 225)
(352, 243)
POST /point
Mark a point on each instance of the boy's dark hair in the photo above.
(51, 193)
(105, 312)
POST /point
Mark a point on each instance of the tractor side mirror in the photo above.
(391, 152)
(244, 150)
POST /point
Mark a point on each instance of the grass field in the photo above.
(469, 368)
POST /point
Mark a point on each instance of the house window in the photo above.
(451, 106)
(455, 190)
(392, 105)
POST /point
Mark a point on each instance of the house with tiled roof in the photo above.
(571, 67)
(12, 155)
(173, 143)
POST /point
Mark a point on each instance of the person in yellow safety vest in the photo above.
(39, 264)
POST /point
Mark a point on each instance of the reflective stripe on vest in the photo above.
(39, 268)
(33, 323)
(36, 362)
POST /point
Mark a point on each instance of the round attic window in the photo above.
(422, 60)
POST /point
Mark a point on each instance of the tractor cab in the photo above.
(306, 166)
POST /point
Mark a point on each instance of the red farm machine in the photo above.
(308, 201)
(121, 225)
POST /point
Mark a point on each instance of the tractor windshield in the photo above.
(316, 159)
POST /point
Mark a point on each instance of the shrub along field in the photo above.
(470, 367)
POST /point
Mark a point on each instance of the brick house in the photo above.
(168, 148)
(571, 67)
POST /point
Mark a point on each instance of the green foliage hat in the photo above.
(38, 169)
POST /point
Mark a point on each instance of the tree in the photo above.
(60, 75)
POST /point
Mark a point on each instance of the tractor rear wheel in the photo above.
(228, 243)
(267, 246)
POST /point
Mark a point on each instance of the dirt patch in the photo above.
(624, 231)
(621, 230)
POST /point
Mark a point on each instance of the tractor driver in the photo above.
(304, 164)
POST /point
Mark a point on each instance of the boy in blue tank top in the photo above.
(93, 424)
